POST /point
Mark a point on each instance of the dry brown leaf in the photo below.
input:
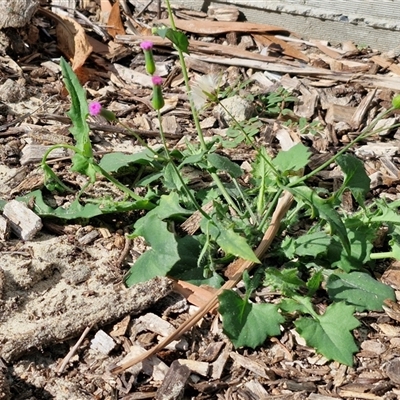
(287, 48)
(106, 8)
(72, 41)
(196, 295)
(114, 24)
(205, 27)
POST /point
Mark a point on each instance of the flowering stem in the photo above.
(195, 114)
(118, 184)
(178, 173)
(367, 132)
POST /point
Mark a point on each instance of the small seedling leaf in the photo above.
(330, 333)
(222, 163)
(179, 39)
(79, 109)
(294, 159)
(360, 290)
(248, 324)
(232, 243)
(112, 162)
(160, 258)
(356, 179)
(325, 211)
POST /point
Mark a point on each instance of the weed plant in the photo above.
(331, 258)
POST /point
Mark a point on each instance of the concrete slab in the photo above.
(365, 22)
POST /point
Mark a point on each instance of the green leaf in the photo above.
(310, 244)
(222, 163)
(112, 162)
(231, 242)
(325, 211)
(162, 256)
(168, 207)
(79, 109)
(287, 280)
(179, 39)
(360, 290)
(76, 210)
(361, 238)
(248, 324)
(171, 179)
(295, 158)
(330, 333)
(356, 179)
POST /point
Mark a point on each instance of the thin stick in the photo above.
(66, 359)
(281, 209)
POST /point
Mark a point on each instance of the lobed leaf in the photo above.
(360, 290)
(79, 109)
(330, 333)
(294, 159)
(325, 211)
(248, 324)
(356, 179)
(222, 163)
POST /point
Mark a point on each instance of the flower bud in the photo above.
(396, 102)
(95, 108)
(147, 46)
(157, 100)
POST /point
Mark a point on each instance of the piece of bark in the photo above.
(24, 223)
(4, 228)
(102, 342)
(387, 64)
(223, 12)
(33, 153)
(337, 113)
(256, 389)
(307, 103)
(206, 27)
(17, 13)
(154, 323)
(251, 365)
(287, 49)
(198, 367)
(362, 109)
(106, 307)
(211, 352)
(174, 383)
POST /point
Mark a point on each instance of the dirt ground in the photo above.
(66, 319)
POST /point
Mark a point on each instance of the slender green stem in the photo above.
(271, 208)
(59, 146)
(379, 256)
(245, 202)
(118, 184)
(178, 173)
(368, 131)
(195, 114)
(187, 86)
(138, 138)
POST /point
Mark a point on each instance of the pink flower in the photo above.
(146, 45)
(94, 108)
(157, 80)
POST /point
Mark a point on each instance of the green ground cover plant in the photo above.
(330, 261)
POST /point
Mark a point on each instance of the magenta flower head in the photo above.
(157, 100)
(146, 45)
(157, 80)
(94, 108)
